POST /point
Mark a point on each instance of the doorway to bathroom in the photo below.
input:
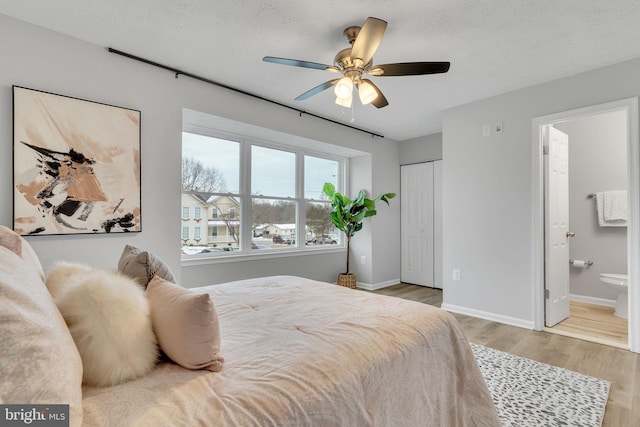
(585, 158)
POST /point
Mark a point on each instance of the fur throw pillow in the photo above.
(109, 319)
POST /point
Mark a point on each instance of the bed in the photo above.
(304, 353)
(297, 353)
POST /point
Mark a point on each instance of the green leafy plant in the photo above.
(347, 215)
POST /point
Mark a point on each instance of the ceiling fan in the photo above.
(356, 61)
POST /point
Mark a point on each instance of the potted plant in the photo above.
(347, 215)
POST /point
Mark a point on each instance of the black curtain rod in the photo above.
(178, 73)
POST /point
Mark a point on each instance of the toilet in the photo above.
(620, 282)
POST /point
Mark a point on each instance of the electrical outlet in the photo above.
(363, 259)
(456, 274)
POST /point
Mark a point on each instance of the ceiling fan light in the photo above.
(366, 92)
(344, 102)
(343, 88)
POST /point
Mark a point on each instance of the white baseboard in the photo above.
(593, 300)
(376, 286)
(513, 321)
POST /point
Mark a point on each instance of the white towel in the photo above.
(600, 209)
(615, 205)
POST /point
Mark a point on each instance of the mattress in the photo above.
(304, 353)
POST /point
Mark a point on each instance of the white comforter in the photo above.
(305, 353)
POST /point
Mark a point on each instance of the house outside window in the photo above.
(185, 213)
(185, 233)
(226, 224)
(282, 206)
(196, 202)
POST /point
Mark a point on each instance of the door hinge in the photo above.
(546, 294)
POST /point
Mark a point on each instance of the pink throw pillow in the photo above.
(186, 325)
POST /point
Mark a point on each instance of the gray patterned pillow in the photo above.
(142, 265)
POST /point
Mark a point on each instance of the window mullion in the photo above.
(245, 195)
(301, 215)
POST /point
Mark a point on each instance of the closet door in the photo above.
(416, 224)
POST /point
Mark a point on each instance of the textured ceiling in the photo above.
(494, 46)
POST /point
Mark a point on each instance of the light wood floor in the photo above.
(620, 367)
(595, 323)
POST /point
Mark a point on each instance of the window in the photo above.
(317, 171)
(197, 212)
(273, 172)
(196, 234)
(261, 196)
(185, 233)
(185, 213)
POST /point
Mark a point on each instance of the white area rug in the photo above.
(530, 393)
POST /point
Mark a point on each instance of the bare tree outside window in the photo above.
(319, 219)
(198, 177)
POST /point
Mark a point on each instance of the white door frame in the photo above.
(630, 105)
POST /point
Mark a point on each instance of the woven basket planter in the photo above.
(347, 280)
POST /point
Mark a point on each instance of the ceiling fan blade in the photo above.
(380, 100)
(368, 39)
(410, 68)
(316, 90)
(299, 63)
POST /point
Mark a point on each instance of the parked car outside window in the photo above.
(326, 239)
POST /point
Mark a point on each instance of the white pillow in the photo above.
(38, 359)
(109, 320)
(186, 324)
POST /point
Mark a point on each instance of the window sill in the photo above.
(203, 259)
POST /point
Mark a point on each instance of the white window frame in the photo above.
(197, 212)
(245, 197)
(185, 209)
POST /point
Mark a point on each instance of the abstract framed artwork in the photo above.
(76, 165)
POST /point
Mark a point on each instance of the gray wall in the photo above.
(487, 189)
(41, 59)
(597, 162)
(422, 149)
